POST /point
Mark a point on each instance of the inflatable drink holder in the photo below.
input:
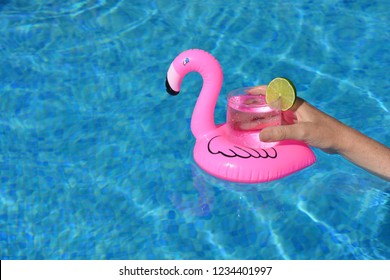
(232, 151)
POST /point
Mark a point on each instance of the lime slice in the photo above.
(283, 88)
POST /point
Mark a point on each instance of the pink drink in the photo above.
(247, 115)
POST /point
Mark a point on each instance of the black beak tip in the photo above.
(169, 89)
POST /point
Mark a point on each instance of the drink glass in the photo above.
(248, 114)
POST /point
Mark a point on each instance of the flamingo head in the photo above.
(176, 72)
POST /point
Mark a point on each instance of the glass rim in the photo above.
(242, 91)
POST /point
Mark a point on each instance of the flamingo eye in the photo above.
(186, 60)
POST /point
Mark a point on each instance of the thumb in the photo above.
(282, 132)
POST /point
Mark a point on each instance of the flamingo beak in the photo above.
(173, 81)
(169, 88)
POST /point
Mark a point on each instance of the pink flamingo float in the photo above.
(214, 151)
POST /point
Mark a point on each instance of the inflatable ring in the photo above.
(214, 151)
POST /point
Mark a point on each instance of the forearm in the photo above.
(365, 152)
(335, 137)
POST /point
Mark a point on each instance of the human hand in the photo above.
(306, 123)
(310, 125)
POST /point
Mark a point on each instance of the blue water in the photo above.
(96, 159)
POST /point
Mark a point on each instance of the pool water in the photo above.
(96, 159)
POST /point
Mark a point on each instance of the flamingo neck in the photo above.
(207, 66)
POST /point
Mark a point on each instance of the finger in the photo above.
(283, 132)
(248, 125)
(297, 104)
(289, 117)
